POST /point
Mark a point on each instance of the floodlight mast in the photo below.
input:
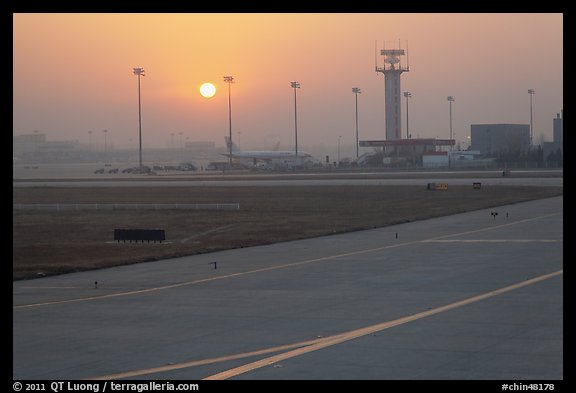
(450, 100)
(531, 92)
(408, 95)
(295, 85)
(356, 91)
(139, 71)
(229, 80)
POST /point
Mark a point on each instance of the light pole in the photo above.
(105, 144)
(339, 137)
(229, 80)
(89, 140)
(407, 94)
(450, 100)
(531, 93)
(140, 72)
(356, 91)
(295, 85)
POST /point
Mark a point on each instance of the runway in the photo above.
(468, 296)
(545, 182)
(539, 177)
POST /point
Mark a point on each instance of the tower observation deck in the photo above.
(392, 70)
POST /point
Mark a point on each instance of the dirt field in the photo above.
(52, 242)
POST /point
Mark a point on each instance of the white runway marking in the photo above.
(287, 265)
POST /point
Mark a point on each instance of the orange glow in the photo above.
(73, 73)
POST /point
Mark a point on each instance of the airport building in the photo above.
(27, 143)
(490, 139)
(427, 152)
(553, 151)
(36, 147)
(558, 127)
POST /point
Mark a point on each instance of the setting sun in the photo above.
(177, 92)
(207, 90)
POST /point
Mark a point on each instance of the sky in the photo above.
(72, 73)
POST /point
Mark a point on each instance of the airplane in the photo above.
(273, 158)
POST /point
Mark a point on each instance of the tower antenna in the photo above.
(399, 47)
(382, 53)
(407, 57)
(375, 56)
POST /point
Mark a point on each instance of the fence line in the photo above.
(125, 206)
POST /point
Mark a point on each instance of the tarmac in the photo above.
(473, 296)
(310, 182)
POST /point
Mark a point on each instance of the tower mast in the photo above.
(392, 70)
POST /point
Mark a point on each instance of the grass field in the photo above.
(52, 242)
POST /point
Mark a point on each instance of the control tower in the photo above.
(392, 70)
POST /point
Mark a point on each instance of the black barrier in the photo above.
(139, 235)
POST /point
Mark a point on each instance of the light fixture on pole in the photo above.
(356, 91)
(295, 85)
(229, 80)
(450, 100)
(531, 92)
(140, 72)
(407, 94)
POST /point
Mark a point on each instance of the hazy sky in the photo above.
(73, 73)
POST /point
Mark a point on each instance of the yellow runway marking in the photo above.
(490, 241)
(340, 338)
(270, 268)
(194, 363)
(304, 347)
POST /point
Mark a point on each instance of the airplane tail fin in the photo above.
(277, 146)
(234, 147)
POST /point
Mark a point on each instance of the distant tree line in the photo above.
(533, 157)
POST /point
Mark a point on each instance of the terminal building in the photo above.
(490, 139)
(36, 147)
